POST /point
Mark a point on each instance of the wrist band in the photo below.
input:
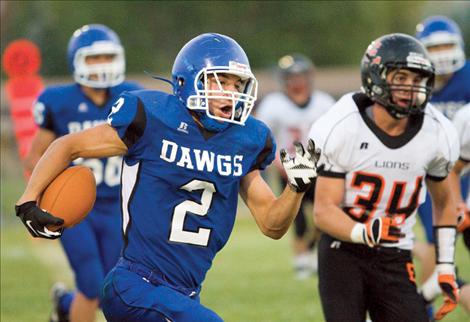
(444, 237)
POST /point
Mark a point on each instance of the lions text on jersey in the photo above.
(384, 174)
(180, 185)
(65, 109)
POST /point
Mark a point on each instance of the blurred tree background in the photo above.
(332, 33)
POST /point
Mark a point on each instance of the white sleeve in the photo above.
(265, 111)
(329, 100)
(447, 151)
(331, 135)
(462, 124)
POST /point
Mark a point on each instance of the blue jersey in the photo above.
(180, 184)
(455, 94)
(65, 109)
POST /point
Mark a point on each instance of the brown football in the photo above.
(71, 195)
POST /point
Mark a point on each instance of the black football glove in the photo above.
(302, 169)
(36, 220)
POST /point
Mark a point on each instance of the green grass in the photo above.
(25, 281)
(251, 279)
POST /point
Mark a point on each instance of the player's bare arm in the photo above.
(454, 177)
(328, 216)
(97, 142)
(273, 215)
(40, 143)
(443, 202)
(445, 222)
(463, 212)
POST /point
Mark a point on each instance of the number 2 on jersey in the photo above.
(201, 236)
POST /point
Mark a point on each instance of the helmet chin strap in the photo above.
(400, 113)
(395, 112)
(209, 123)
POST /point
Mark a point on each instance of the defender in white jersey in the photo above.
(378, 148)
(462, 123)
(444, 42)
(430, 288)
(290, 113)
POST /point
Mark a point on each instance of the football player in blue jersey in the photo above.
(187, 156)
(443, 39)
(96, 58)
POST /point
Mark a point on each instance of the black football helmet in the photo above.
(391, 53)
(294, 64)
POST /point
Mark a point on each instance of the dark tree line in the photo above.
(330, 32)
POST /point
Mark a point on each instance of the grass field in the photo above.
(251, 280)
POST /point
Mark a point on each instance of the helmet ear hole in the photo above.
(180, 81)
(377, 90)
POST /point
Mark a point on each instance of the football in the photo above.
(71, 195)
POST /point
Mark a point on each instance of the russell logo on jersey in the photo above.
(82, 107)
(183, 127)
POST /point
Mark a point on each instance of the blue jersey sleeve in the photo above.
(267, 154)
(134, 86)
(129, 119)
(42, 112)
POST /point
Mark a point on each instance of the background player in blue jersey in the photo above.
(443, 39)
(96, 59)
(187, 156)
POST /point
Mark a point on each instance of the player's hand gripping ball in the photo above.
(64, 203)
(71, 195)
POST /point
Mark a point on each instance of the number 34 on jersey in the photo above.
(370, 191)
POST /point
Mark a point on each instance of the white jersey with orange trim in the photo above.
(290, 122)
(384, 174)
(462, 123)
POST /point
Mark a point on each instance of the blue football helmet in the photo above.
(440, 30)
(207, 57)
(91, 40)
